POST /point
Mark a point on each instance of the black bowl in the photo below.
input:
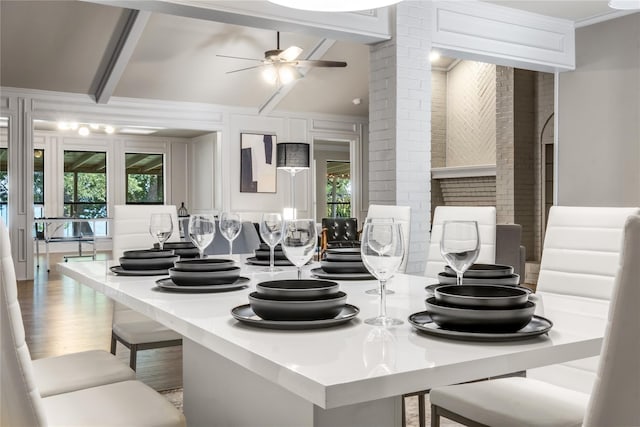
(481, 271)
(296, 289)
(326, 307)
(148, 253)
(205, 264)
(479, 320)
(148, 263)
(343, 255)
(343, 266)
(262, 254)
(176, 245)
(265, 247)
(448, 279)
(482, 296)
(203, 278)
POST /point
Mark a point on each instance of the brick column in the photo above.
(399, 123)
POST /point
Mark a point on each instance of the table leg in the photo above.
(218, 391)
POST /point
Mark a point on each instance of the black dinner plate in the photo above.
(118, 270)
(537, 326)
(168, 285)
(482, 271)
(265, 262)
(343, 266)
(148, 263)
(195, 278)
(260, 254)
(245, 314)
(321, 274)
(148, 253)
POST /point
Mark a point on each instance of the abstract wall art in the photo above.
(257, 163)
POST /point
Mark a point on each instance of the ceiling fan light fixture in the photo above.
(287, 74)
(270, 75)
(291, 53)
(335, 5)
(624, 4)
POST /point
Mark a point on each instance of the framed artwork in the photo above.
(257, 163)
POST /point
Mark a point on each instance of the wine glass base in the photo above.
(376, 291)
(383, 321)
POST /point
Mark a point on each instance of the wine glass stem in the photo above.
(161, 244)
(299, 273)
(271, 256)
(382, 310)
(230, 247)
(201, 253)
(459, 278)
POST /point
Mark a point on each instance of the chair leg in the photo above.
(113, 343)
(422, 416)
(435, 416)
(133, 348)
(404, 411)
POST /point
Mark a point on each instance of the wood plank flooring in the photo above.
(62, 316)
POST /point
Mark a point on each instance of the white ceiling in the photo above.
(63, 46)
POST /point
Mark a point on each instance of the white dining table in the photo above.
(354, 374)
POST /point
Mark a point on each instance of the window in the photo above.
(85, 184)
(338, 189)
(4, 185)
(38, 190)
(145, 179)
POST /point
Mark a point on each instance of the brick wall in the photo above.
(471, 109)
(399, 120)
(476, 191)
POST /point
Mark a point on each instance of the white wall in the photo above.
(202, 174)
(599, 117)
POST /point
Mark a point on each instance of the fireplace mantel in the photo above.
(463, 171)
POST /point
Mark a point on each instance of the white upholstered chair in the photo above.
(133, 329)
(400, 214)
(69, 372)
(486, 218)
(580, 259)
(22, 403)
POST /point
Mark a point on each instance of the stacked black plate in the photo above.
(203, 275)
(481, 308)
(182, 249)
(146, 262)
(482, 274)
(296, 304)
(263, 254)
(342, 264)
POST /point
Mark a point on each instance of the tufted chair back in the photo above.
(340, 229)
(20, 402)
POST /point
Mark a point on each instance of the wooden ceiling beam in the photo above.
(112, 72)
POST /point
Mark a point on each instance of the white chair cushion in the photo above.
(486, 218)
(128, 403)
(75, 371)
(144, 330)
(510, 402)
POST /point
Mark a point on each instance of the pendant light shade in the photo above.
(335, 5)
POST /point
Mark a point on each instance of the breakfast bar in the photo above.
(352, 374)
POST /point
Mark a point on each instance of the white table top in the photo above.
(355, 362)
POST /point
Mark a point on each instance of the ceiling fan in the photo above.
(282, 66)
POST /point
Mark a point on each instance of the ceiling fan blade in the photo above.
(243, 69)
(290, 53)
(239, 57)
(320, 63)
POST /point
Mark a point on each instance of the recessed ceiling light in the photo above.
(434, 56)
(83, 131)
(356, 101)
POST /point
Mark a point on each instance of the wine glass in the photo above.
(271, 233)
(299, 239)
(161, 227)
(460, 245)
(376, 290)
(382, 252)
(230, 226)
(202, 229)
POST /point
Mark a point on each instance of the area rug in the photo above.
(175, 397)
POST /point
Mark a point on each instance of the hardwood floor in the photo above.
(62, 316)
